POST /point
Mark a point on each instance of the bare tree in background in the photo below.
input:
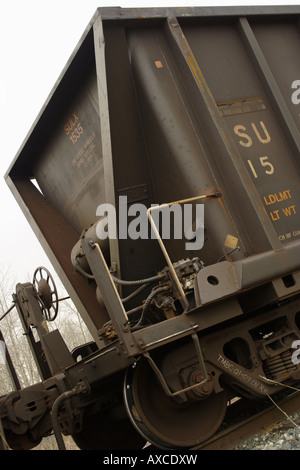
(68, 322)
(71, 326)
(15, 340)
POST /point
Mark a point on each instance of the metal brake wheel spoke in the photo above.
(47, 293)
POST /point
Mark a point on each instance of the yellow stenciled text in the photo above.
(281, 196)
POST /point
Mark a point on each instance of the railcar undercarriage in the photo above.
(167, 378)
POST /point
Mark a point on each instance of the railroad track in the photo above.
(261, 421)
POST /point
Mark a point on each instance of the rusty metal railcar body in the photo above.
(158, 106)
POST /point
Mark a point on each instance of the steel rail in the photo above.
(259, 422)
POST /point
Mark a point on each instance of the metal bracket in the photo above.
(186, 389)
(110, 296)
(177, 284)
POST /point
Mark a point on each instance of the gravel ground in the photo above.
(284, 436)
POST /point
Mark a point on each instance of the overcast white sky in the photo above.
(36, 40)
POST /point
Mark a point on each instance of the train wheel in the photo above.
(106, 430)
(164, 422)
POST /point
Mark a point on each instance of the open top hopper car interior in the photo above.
(164, 118)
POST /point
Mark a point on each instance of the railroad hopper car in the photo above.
(162, 180)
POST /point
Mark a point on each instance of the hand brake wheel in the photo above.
(46, 292)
